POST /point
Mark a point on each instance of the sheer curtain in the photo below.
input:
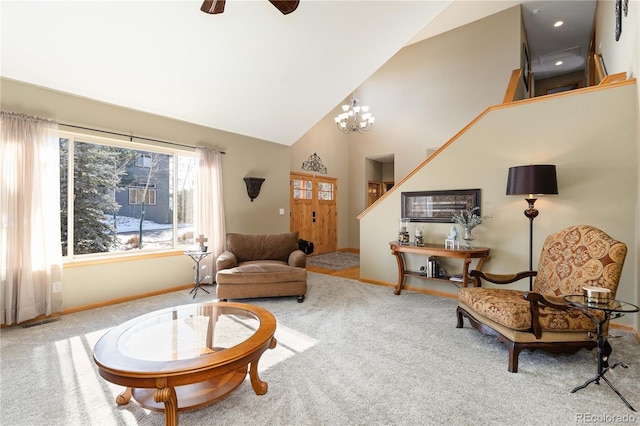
(30, 250)
(210, 206)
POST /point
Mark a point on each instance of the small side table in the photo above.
(612, 309)
(197, 256)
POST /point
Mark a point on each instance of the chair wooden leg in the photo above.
(514, 353)
(460, 319)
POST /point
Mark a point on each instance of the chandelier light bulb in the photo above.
(354, 118)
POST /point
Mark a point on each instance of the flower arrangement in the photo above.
(468, 219)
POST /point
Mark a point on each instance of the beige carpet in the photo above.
(336, 261)
(351, 354)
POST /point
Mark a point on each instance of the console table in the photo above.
(398, 250)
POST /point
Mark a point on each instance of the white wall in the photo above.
(623, 56)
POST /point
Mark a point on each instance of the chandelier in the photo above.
(354, 118)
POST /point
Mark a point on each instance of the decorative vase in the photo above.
(467, 236)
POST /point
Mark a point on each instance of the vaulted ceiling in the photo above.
(251, 70)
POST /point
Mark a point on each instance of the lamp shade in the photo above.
(532, 179)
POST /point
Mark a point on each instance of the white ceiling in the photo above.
(250, 70)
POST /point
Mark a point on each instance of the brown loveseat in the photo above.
(261, 266)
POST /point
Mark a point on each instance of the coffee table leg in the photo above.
(259, 387)
(124, 397)
(168, 396)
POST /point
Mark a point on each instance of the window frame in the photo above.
(177, 152)
(150, 197)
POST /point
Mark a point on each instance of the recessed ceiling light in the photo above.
(558, 23)
(559, 63)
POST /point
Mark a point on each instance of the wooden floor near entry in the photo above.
(351, 273)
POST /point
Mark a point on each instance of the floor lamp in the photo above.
(532, 180)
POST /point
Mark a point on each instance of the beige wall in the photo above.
(332, 147)
(591, 139)
(420, 101)
(245, 156)
(429, 91)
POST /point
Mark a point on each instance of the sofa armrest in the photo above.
(226, 260)
(500, 278)
(537, 298)
(298, 259)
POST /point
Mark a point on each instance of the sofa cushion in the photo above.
(508, 308)
(262, 247)
(261, 272)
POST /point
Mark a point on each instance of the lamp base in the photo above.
(531, 212)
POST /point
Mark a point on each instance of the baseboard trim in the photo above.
(410, 288)
(99, 305)
(350, 250)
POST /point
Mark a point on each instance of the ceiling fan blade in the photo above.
(213, 6)
(285, 6)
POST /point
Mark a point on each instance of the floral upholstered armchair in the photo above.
(571, 259)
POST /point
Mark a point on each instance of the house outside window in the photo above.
(120, 196)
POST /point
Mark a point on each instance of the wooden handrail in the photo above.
(512, 87)
(613, 78)
(601, 73)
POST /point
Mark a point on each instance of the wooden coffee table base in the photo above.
(188, 397)
(194, 395)
(173, 385)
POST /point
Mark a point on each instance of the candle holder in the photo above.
(419, 237)
(403, 234)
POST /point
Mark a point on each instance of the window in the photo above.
(325, 191)
(120, 196)
(302, 189)
(140, 194)
(144, 160)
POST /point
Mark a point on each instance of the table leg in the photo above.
(124, 397)
(197, 287)
(259, 387)
(168, 397)
(603, 353)
(400, 261)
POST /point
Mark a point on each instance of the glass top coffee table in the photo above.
(187, 356)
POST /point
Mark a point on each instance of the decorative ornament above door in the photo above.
(314, 164)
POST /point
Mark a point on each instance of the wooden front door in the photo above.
(314, 210)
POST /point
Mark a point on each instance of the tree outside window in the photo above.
(122, 198)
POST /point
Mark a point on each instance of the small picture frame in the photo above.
(438, 206)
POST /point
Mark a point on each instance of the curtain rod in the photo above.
(137, 137)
